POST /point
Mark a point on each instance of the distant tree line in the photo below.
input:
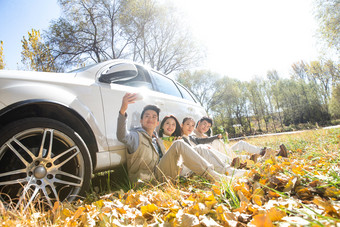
(273, 104)
(152, 32)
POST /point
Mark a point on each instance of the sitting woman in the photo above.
(169, 130)
(219, 160)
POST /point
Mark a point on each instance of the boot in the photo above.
(236, 163)
(283, 151)
(254, 157)
(263, 151)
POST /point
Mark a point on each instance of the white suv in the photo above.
(57, 129)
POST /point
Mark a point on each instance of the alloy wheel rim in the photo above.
(48, 166)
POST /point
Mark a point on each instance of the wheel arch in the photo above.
(52, 110)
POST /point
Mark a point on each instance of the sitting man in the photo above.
(203, 130)
(146, 157)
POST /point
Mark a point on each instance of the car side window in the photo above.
(141, 80)
(165, 85)
(186, 94)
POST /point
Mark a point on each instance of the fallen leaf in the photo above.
(148, 209)
(189, 220)
(332, 192)
(262, 220)
(257, 199)
(276, 214)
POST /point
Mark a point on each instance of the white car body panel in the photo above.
(96, 102)
(66, 91)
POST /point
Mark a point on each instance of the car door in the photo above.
(112, 94)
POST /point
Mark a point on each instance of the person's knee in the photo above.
(176, 146)
(180, 146)
(241, 142)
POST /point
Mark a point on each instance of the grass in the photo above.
(305, 187)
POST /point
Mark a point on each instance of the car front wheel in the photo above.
(42, 159)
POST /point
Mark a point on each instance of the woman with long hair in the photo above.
(169, 130)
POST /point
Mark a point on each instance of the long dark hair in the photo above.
(177, 131)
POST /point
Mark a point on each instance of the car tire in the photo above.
(42, 159)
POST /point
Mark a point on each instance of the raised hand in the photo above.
(128, 98)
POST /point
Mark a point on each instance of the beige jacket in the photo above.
(142, 156)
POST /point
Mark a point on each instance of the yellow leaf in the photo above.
(258, 191)
(304, 193)
(290, 185)
(276, 214)
(262, 220)
(257, 200)
(332, 192)
(133, 199)
(210, 196)
(223, 214)
(273, 195)
(329, 208)
(67, 212)
(191, 198)
(210, 204)
(121, 211)
(56, 206)
(148, 209)
(106, 209)
(99, 203)
(251, 209)
(269, 161)
(216, 189)
(242, 208)
(78, 212)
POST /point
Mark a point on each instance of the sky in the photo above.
(243, 39)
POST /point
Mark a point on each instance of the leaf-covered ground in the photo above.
(301, 190)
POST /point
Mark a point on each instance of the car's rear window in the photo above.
(165, 85)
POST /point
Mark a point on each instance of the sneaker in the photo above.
(283, 151)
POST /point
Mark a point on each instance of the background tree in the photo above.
(36, 55)
(256, 101)
(87, 31)
(232, 110)
(335, 102)
(204, 84)
(328, 14)
(145, 31)
(2, 63)
(160, 38)
(275, 93)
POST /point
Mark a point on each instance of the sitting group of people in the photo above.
(180, 149)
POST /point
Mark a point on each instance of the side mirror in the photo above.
(119, 72)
